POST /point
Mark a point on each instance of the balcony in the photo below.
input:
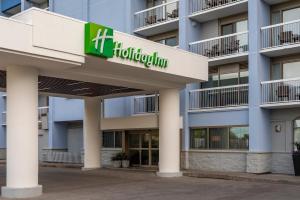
(145, 104)
(158, 19)
(206, 10)
(228, 97)
(283, 93)
(281, 39)
(223, 49)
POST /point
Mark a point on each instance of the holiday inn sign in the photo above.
(99, 41)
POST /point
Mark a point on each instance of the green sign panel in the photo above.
(99, 41)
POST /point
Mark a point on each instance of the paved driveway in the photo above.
(73, 184)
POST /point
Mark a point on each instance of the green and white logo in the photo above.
(99, 41)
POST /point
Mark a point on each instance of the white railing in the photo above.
(280, 34)
(220, 97)
(146, 104)
(203, 5)
(221, 46)
(157, 14)
(280, 91)
(42, 111)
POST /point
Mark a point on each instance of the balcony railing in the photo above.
(220, 97)
(158, 14)
(280, 91)
(204, 5)
(280, 34)
(146, 104)
(42, 111)
(221, 46)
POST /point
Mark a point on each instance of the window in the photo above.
(221, 138)
(285, 70)
(227, 75)
(112, 139)
(235, 27)
(288, 15)
(199, 138)
(172, 41)
(297, 130)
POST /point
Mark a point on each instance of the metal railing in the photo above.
(42, 111)
(146, 104)
(280, 91)
(203, 5)
(157, 14)
(219, 97)
(280, 34)
(221, 46)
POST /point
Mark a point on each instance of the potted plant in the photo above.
(117, 160)
(296, 159)
(125, 160)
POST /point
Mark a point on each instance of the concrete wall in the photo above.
(75, 138)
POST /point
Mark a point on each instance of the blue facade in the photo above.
(9, 4)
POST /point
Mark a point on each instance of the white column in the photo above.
(91, 133)
(22, 133)
(169, 133)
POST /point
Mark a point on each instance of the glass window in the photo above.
(118, 139)
(239, 138)
(297, 130)
(199, 138)
(291, 15)
(236, 138)
(291, 70)
(276, 71)
(134, 141)
(244, 75)
(172, 41)
(218, 138)
(229, 75)
(227, 29)
(108, 139)
(111, 139)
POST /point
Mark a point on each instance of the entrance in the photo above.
(143, 148)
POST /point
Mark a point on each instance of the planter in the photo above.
(296, 161)
(117, 163)
(125, 163)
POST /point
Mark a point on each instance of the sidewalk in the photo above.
(268, 178)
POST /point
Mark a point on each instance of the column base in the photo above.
(169, 174)
(89, 169)
(9, 192)
(259, 163)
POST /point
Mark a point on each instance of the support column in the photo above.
(91, 133)
(169, 134)
(22, 133)
(259, 157)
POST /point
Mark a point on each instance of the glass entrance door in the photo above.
(143, 148)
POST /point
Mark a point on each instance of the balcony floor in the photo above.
(158, 28)
(220, 12)
(239, 57)
(281, 105)
(281, 50)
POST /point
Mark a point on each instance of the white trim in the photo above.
(281, 24)
(217, 38)
(200, 12)
(281, 80)
(217, 88)
(158, 6)
(286, 104)
(143, 28)
(220, 109)
(228, 56)
(280, 47)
